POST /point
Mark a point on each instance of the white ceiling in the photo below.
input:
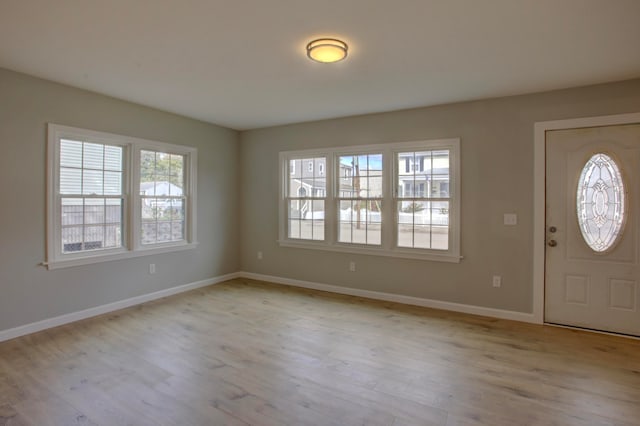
(242, 63)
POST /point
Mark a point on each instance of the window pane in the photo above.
(369, 174)
(93, 156)
(600, 202)
(306, 219)
(305, 178)
(345, 177)
(70, 153)
(94, 211)
(72, 239)
(294, 228)
(164, 230)
(149, 231)
(175, 174)
(373, 186)
(113, 211)
(72, 211)
(112, 183)
(360, 175)
(440, 237)
(177, 209)
(423, 174)
(92, 182)
(306, 229)
(316, 215)
(422, 236)
(177, 230)
(93, 237)
(113, 236)
(93, 214)
(147, 172)
(162, 166)
(360, 222)
(70, 181)
(113, 158)
(423, 224)
(148, 188)
(149, 211)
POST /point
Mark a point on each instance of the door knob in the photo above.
(552, 243)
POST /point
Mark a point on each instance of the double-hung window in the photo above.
(113, 197)
(162, 196)
(422, 199)
(396, 199)
(90, 196)
(359, 195)
(305, 192)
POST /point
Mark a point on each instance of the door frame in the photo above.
(539, 195)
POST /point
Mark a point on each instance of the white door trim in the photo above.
(539, 209)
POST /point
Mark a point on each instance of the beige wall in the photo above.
(497, 178)
(29, 292)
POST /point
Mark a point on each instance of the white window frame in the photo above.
(389, 217)
(354, 152)
(283, 209)
(131, 215)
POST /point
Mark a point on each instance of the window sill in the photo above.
(398, 252)
(99, 258)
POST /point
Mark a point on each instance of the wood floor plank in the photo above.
(251, 353)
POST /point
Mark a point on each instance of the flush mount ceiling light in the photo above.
(327, 50)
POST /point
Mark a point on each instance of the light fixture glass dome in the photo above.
(327, 50)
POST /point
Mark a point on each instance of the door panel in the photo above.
(585, 288)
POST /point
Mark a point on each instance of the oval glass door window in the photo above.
(601, 203)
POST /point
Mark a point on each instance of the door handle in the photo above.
(552, 243)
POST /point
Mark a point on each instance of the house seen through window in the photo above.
(113, 196)
(392, 199)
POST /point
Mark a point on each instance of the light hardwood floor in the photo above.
(247, 352)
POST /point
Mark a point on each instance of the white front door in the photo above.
(592, 277)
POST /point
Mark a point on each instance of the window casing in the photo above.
(97, 205)
(396, 199)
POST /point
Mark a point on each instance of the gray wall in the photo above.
(497, 178)
(29, 292)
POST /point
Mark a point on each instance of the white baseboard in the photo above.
(398, 298)
(389, 297)
(110, 307)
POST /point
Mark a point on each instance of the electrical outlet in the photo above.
(152, 268)
(497, 280)
(510, 219)
(352, 266)
(259, 255)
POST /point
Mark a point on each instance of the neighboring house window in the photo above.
(310, 167)
(321, 169)
(304, 198)
(398, 199)
(112, 197)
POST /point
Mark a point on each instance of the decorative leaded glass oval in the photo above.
(600, 202)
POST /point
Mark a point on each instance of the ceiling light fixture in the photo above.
(327, 50)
